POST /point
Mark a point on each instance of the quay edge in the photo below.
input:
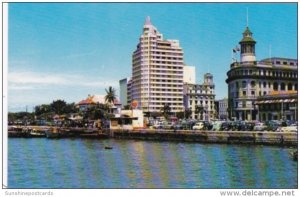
(221, 137)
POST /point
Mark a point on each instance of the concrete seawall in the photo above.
(224, 137)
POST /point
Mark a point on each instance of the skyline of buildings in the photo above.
(89, 70)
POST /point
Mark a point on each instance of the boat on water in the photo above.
(36, 133)
(90, 130)
(15, 131)
(53, 133)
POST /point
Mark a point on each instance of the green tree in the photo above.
(199, 109)
(42, 109)
(58, 107)
(71, 108)
(184, 114)
(110, 95)
(166, 110)
(24, 117)
(99, 111)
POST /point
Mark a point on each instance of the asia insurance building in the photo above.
(261, 90)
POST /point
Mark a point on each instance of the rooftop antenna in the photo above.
(270, 51)
(247, 17)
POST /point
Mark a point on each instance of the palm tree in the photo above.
(110, 95)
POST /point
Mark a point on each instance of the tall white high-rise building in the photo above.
(157, 71)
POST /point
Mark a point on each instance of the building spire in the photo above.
(247, 18)
(148, 21)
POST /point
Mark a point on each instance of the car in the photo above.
(217, 125)
(158, 125)
(178, 126)
(167, 125)
(272, 125)
(260, 127)
(288, 129)
(198, 126)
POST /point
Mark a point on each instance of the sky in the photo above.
(70, 50)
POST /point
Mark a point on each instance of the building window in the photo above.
(282, 86)
(252, 93)
(252, 84)
(244, 93)
(237, 94)
(264, 84)
(275, 86)
(244, 84)
(290, 86)
(265, 92)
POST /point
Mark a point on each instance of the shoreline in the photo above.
(208, 137)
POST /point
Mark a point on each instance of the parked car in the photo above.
(198, 126)
(225, 126)
(158, 125)
(288, 129)
(178, 126)
(167, 125)
(260, 127)
(272, 125)
(217, 125)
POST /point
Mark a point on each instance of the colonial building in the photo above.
(93, 100)
(250, 79)
(200, 98)
(221, 107)
(278, 105)
(157, 71)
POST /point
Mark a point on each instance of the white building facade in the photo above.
(200, 99)
(157, 72)
(222, 109)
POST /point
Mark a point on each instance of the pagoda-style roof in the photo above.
(247, 36)
(247, 39)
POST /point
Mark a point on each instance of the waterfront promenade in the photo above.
(221, 137)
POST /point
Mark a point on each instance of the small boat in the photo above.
(35, 133)
(90, 130)
(108, 147)
(54, 133)
(14, 131)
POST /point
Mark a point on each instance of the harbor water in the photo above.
(85, 163)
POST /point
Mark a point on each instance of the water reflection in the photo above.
(83, 163)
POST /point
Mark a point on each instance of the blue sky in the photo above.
(69, 50)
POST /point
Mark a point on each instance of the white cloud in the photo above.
(35, 80)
